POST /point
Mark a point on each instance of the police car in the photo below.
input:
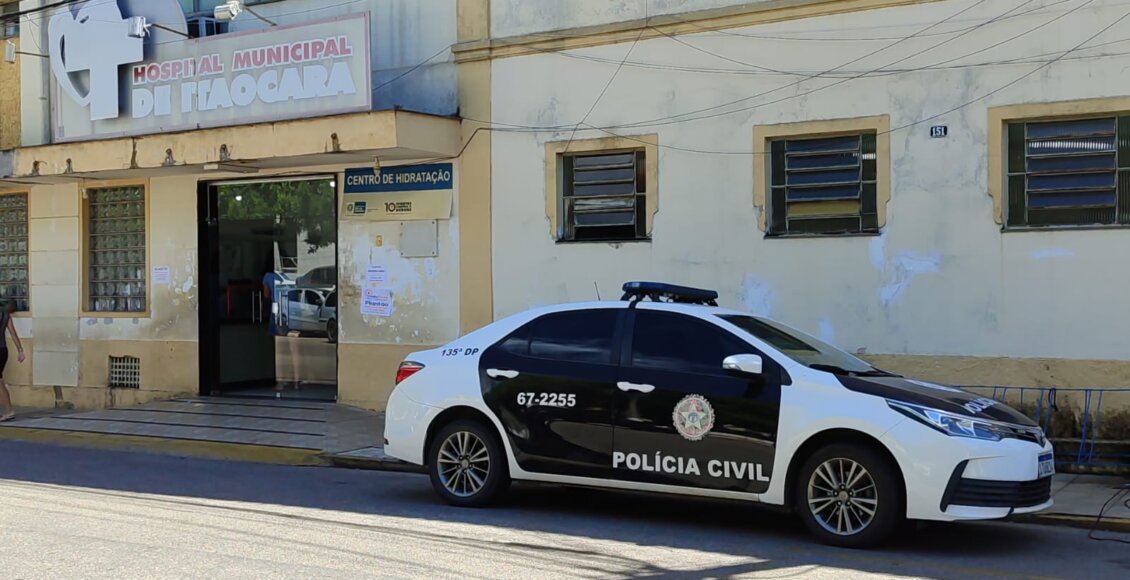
(664, 391)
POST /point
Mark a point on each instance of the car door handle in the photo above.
(501, 374)
(626, 386)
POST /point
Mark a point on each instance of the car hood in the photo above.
(941, 397)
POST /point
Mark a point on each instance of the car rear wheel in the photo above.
(331, 330)
(467, 464)
(849, 496)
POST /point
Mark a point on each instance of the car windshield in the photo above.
(804, 349)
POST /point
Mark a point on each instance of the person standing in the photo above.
(7, 326)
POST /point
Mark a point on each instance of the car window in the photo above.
(331, 300)
(293, 295)
(576, 336)
(805, 349)
(313, 298)
(671, 341)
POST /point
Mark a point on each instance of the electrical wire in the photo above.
(678, 118)
(675, 119)
(719, 32)
(892, 45)
(607, 130)
(1030, 59)
(1124, 490)
(44, 8)
(605, 90)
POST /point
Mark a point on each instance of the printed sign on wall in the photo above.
(398, 193)
(110, 82)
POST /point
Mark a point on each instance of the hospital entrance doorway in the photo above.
(268, 300)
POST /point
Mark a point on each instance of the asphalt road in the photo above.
(76, 513)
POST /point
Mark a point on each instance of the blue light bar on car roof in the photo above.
(660, 292)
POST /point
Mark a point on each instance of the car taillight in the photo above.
(407, 369)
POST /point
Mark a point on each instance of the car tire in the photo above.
(835, 502)
(331, 330)
(471, 482)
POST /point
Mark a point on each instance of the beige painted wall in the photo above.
(10, 102)
(67, 364)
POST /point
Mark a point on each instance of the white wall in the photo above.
(942, 279)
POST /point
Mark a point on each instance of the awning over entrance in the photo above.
(359, 138)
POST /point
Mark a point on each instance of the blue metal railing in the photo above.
(1042, 405)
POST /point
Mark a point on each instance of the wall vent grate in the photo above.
(125, 372)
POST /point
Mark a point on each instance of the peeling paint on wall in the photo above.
(757, 297)
(906, 268)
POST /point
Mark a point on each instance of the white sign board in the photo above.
(376, 273)
(109, 84)
(376, 301)
(161, 275)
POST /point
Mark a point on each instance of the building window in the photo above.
(9, 24)
(1069, 172)
(116, 249)
(13, 251)
(603, 196)
(823, 185)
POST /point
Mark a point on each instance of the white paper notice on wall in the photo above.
(376, 274)
(161, 276)
(376, 301)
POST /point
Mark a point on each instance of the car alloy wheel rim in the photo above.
(842, 497)
(464, 463)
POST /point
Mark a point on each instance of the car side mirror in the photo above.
(750, 364)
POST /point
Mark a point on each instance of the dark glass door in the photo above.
(268, 257)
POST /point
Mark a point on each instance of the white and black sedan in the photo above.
(664, 391)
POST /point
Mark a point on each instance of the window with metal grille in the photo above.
(125, 372)
(603, 197)
(116, 258)
(13, 250)
(9, 23)
(823, 185)
(1069, 172)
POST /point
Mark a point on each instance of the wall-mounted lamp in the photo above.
(229, 10)
(10, 52)
(138, 27)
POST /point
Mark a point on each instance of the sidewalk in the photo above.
(260, 430)
(324, 434)
(1079, 499)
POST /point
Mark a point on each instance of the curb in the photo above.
(387, 464)
(1107, 524)
(186, 447)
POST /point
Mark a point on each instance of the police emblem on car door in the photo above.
(682, 418)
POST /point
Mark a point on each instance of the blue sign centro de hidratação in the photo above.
(434, 176)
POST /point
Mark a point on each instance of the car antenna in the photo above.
(597, 290)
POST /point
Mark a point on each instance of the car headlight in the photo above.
(949, 423)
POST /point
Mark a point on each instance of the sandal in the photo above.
(7, 417)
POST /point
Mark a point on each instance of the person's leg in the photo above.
(7, 411)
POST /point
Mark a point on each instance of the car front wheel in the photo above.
(849, 496)
(467, 464)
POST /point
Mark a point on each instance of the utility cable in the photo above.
(605, 89)
(1124, 490)
(677, 118)
(853, 61)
